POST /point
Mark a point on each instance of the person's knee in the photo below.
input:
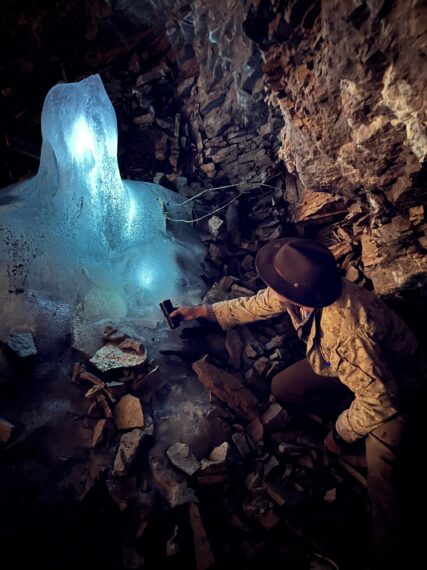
(284, 390)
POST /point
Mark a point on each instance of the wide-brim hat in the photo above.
(302, 270)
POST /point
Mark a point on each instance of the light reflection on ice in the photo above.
(78, 234)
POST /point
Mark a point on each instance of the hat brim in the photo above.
(264, 264)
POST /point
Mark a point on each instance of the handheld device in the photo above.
(167, 309)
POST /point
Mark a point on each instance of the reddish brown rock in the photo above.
(6, 430)
(202, 549)
(227, 388)
(128, 413)
(98, 432)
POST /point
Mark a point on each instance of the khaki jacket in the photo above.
(357, 339)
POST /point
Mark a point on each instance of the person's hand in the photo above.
(335, 443)
(190, 313)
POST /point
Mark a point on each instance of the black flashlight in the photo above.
(167, 309)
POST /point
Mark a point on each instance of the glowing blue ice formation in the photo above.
(77, 235)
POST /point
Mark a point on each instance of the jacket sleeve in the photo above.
(263, 305)
(362, 367)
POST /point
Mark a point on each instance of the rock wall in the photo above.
(349, 78)
(324, 99)
(344, 83)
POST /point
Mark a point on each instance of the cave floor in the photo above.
(59, 509)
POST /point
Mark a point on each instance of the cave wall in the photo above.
(323, 98)
(347, 79)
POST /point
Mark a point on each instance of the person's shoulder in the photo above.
(357, 310)
(343, 317)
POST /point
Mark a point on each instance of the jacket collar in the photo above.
(314, 330)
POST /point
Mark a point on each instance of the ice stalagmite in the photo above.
(78, 237)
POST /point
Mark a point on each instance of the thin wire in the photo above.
(210, 213)
(252, 184)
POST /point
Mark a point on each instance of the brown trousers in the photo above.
(298, 387)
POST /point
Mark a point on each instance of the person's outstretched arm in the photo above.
(190, 313)
(264, 305)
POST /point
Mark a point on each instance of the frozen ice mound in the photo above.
(77, 239)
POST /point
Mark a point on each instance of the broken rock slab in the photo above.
(180, 456)
(255, 430)
(218, 460)
(127, 451)
(111, 333)
(98, 432)
(128, 413)
(112, 356)
(6, 429)
(275, 417)
(22, 344)
(227, 388)
(172, 484)
(202, 548)
(241, 442)
(215, 468)
(262, 365)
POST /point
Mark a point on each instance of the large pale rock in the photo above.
(112, 356)
(181, 457)
(128, 413)
(217, 461)
(215, 225)
(172, 484)
(227, 388)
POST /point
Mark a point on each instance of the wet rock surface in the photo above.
(22, 344)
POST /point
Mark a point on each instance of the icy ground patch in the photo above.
(77, 241)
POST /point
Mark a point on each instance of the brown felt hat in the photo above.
(301, 270)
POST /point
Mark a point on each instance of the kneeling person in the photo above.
(354, 345)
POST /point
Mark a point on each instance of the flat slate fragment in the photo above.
(227, 388)
(112, 356)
